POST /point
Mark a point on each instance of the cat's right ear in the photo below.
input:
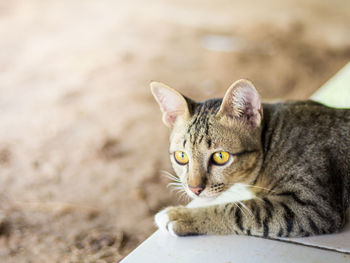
(242, 102)
(172, 104)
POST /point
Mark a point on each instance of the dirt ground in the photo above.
(81, 139)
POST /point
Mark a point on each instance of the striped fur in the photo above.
(295, 163)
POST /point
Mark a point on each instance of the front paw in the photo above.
(162, 220)
(178, 221)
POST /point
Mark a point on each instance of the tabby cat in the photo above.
(270, 170)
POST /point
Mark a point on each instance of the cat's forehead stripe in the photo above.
(199, 127)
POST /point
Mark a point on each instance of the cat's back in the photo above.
(307, 121)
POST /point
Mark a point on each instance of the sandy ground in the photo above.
(81, 139)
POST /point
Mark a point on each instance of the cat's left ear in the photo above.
(172, 103)
(242, 101)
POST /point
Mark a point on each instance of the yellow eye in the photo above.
(181, 157)
(221, 158)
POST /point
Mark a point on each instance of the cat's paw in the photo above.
(163, 222)
(176, 220)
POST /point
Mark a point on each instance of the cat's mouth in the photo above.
(210, 191)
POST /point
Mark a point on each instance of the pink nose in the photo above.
(197, 189)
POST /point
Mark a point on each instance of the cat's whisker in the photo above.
(255, 186)
(249, 185)
(174, 184)
(168, 173)
(170, 176)
(175, 189)
(180, 191)
(246, 208)
(240, 208)
(174, 179)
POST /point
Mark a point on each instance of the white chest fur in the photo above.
(237, 192)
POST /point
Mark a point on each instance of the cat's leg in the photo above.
(267, 217)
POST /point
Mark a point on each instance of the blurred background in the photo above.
(81, 138)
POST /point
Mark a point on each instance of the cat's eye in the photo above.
(181, 157)
(220, 158)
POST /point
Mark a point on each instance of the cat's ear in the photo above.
(172, 103)
(242, 101)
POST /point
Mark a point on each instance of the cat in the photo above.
(268, 170)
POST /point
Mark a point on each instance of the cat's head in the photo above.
(216, 143)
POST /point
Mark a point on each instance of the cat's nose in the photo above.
(197, 189)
